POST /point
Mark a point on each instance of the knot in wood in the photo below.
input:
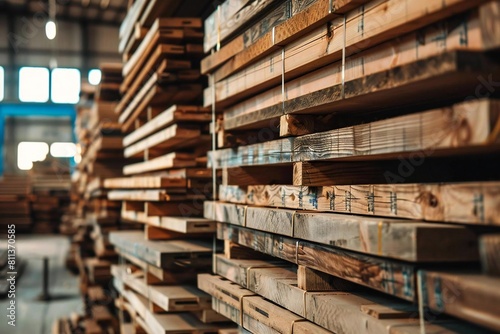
(463, 132)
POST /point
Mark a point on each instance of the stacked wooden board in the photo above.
(15, 206)
(165, 180)
(359, 144)
(156, 284)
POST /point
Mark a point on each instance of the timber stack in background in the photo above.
(358, 147)
(50, 182)
(165, 178)
(15, 202)
(35, 203)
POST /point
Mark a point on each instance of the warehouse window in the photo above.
(29, 151)
(33, 84)
(62, 150)
(2, 78)
(65, 85)
(95, 77)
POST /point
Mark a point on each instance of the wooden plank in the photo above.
(147, 195)
(363, 69)
(179, 298)
(169, 138)
(467, 203)
(188, 225)
(154, 233)
(340, 312)
(255, 34)
(127, 26)
(256, 175)
(430, 169)
(225, 212)
(238, 270)
(156, 33)
(304, 19)
(364, 29)
(158, 95)
(394, 278)
(127, 48)
(164, 276)
(149, 182)
(384, 312)
(471, 297)
(271, 152)
(235, 251)
(229, 293)
(223, 22)
(312, 280)
(489, 248)
(177, 227)
(306, 327)
(172, 209)
(172, 114)
(412, 241)
(167, 161)
(178, 323)
(269, 314)
(429, 131)
(404, 240)
(163, 254)
(299, 125)
(278, 285)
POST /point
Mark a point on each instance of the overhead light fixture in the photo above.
(50, 26)
(50, 30)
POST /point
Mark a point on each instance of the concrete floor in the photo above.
(35, 317)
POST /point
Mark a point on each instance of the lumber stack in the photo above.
(157, 284)
(340, 131)
(165, 179)
(50, 194)
(93, 215)
(15, 205)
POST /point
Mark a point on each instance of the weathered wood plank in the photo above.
(225, 212)
(308, 52)
(167, 161)
(157, 275)
(243, 176)
(144, 182)
(147, 195)
(419, 168)
(166, 118)
(323, 92)
(489, 248)
(229, 293)
(471, 297)
(312, 280)
(427, 131)
(174, 136)
(305, 16)
(424, 132)
(269, 314)
(229, 23)
(153, 232)
(163, 254)
(238, 270)
(394, 278)
(468, 203)
(340, 312)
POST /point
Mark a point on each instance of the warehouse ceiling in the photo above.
(95, 11)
